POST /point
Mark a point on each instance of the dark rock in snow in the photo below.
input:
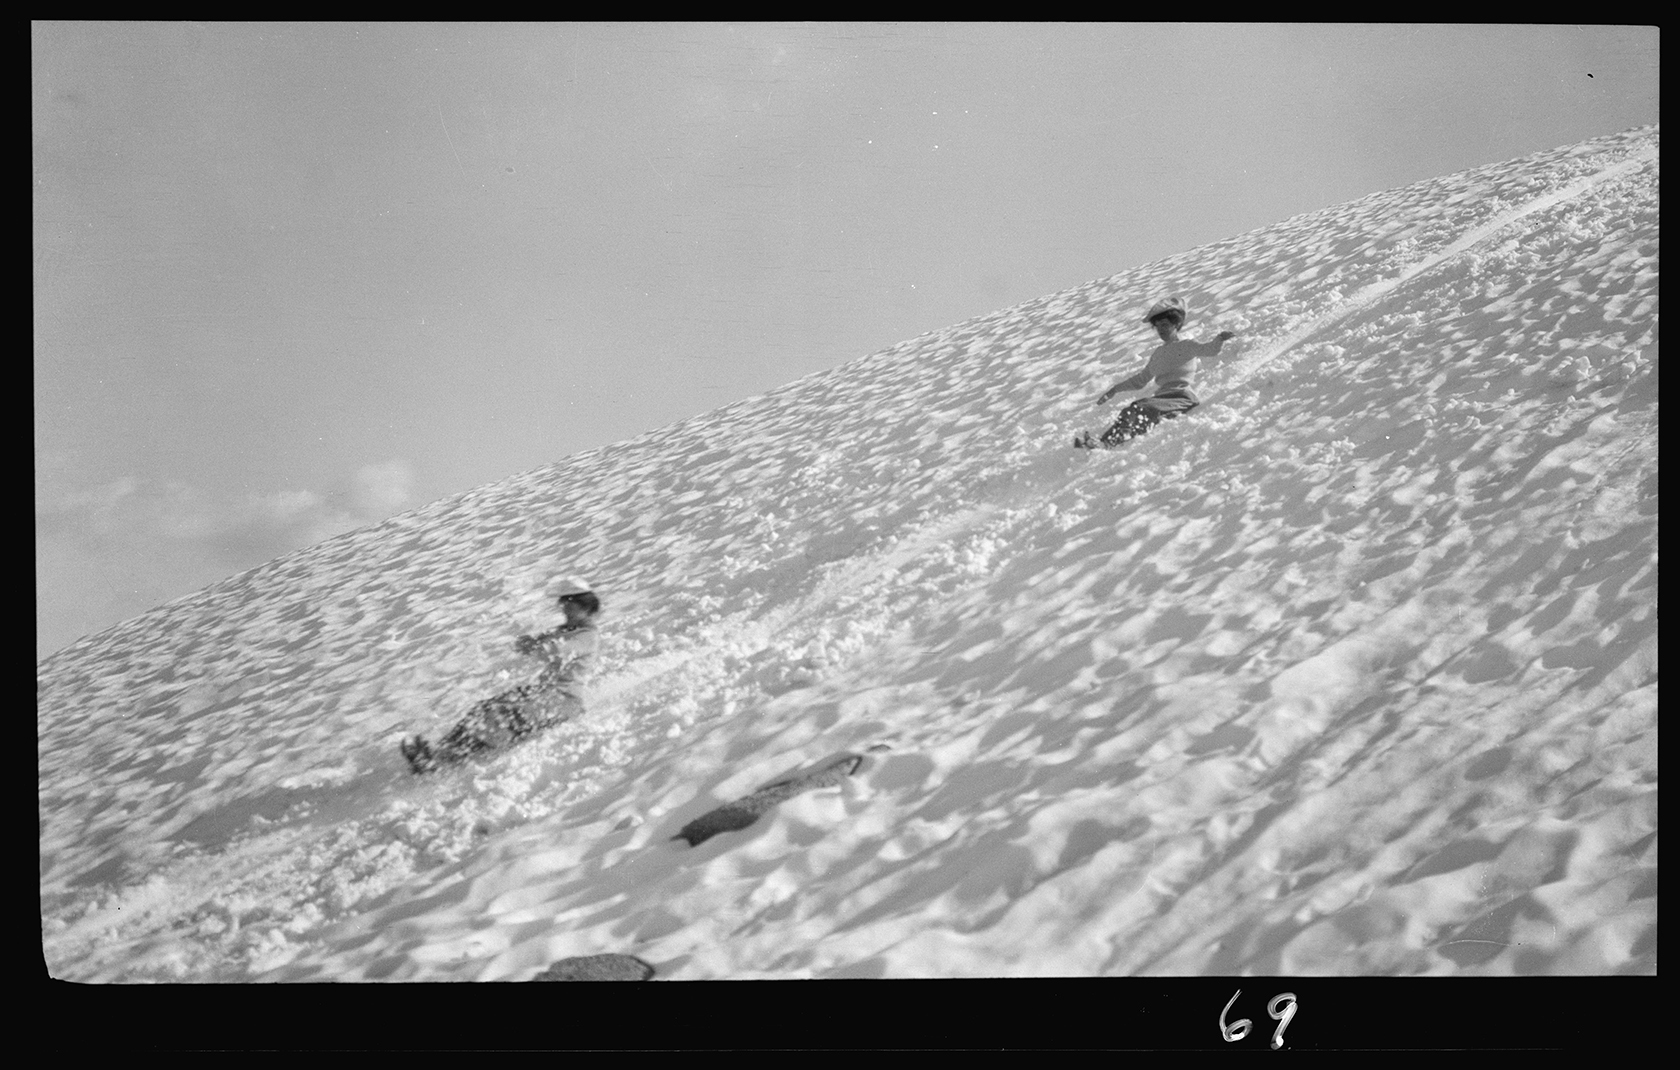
(597, 968)
(743, 812)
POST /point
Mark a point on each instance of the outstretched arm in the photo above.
(1131, 382)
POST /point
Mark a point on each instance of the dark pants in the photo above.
(1145, 413)
(496, 722)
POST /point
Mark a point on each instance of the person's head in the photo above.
(1167, 316)
(580, 606)
(575, 598)
(1166, 326)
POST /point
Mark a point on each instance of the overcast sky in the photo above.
(291, 279)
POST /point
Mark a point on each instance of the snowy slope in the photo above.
(1352, 671)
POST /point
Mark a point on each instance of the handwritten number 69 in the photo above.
(1240, 1028)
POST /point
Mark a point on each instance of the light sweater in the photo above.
(1172, 365)
(569, 652)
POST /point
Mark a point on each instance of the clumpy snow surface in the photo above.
(1351, 671)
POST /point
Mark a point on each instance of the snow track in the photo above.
(1245, 369)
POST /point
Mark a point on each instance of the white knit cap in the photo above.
(564, 585)
(1168, 306)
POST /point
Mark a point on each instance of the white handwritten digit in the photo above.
(1288, 1013)
(1237, 1029)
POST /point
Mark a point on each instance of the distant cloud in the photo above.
(382, 489)
(107, 553)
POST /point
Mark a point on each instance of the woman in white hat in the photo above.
(1172, 366)
(556, 696)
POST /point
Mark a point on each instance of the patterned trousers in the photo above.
(1141, 415)
(493, 724)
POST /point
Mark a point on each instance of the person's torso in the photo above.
(1173, 365)
(568, 653)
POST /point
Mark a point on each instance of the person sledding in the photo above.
(556, 696)
(1172, 366)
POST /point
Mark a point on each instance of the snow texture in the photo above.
(1351, 671)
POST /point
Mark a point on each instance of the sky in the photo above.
(290, 279)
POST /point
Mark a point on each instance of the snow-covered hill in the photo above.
(1352, 671)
